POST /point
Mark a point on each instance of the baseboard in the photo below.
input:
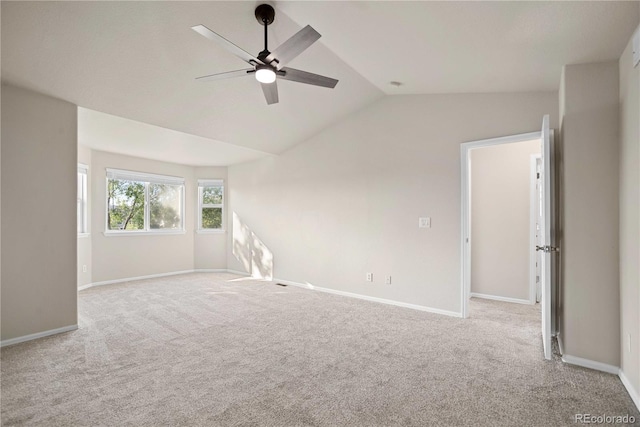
(37, 335)
(503, 299)
(369, 298)
(635, 396)
(591, 364)
(154, 276)
(131, 279)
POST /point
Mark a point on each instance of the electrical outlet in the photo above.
(84, 268)
(387, 280)
(424, 222)
(369, 277)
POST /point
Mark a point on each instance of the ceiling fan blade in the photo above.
(226, 75)
(293, 46)
(306, 77)
(240, 53)
(270, 91)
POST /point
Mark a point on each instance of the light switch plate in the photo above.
(424, 222)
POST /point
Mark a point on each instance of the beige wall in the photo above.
(347, 201)
(84, 241)
(119, 257)
(39, 145)
(210, 248)
(630, 217)
(500, 219)
(589, 234)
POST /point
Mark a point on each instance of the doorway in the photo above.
(526, 294)
(501, 247)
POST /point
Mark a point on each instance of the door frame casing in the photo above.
(465, 204)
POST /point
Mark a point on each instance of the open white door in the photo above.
(546, 232)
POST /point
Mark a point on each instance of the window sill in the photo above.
(83, 235)
(212, 231)
(142, 233)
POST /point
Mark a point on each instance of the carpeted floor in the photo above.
(215, 350)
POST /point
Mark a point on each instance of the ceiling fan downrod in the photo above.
(265, 14)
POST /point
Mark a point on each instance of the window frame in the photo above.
(147, 179)
(203, 183)
(83, 199)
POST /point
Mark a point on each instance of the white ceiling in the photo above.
(106, 132)
(476, 46)
(138, 60)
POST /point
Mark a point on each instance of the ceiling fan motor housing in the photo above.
(265, 14)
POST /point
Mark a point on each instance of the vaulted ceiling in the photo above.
(138, 60)
(473, 46)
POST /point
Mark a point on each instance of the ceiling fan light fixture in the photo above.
(265, 75)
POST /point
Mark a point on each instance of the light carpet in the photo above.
(219, 350)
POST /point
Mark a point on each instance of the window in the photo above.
(210, 205)
(82, 199)
(140, 202)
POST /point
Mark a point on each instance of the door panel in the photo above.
(546, 235)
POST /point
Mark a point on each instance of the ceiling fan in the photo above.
(268, 66)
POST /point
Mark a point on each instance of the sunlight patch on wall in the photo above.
(253, 254)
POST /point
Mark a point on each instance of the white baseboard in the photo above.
(154, 276)
(635, 396)
(503, 299)
(37, 335)
(131, 279)
(591, 364)
(369, 298)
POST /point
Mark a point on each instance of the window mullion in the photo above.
(200, 206)
(85, 196)
(147, 216)
(81, 221)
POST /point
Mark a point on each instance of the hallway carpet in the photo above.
(216, 349)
